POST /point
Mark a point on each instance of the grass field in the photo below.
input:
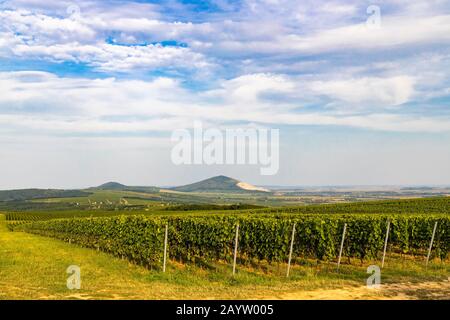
(34, 267)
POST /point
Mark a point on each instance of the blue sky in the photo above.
(91, 90)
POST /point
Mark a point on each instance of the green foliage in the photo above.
(265, 237)
(132, 237)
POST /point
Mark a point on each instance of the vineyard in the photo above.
(403, 206)
(264, 237)
(42, 216)
(438, 205)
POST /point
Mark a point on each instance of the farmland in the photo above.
(201, 240)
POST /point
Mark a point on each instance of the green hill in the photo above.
(30, 194)
(111, 186)
(121, 187)
(219, 184)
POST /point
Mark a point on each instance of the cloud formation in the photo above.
(146, 67)
(47, 104)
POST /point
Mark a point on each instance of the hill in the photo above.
(30, 194)
(220, 184)
(115, 186)
(112, 186)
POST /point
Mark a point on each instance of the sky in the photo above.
(91, 91)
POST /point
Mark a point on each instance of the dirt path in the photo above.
(400, 291)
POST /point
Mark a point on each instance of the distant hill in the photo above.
(121, 187)
(220, 184)
(111, 186)
(30, 194)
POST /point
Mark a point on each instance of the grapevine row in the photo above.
(140, 239)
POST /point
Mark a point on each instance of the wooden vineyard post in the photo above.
(342, 246)
(290, 251)
(431, 243)
(165, 247)
(385, 242)
(235, 248)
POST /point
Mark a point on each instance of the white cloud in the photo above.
(39, 102)
(107, 57)
(37, 36)
(277, 32)
(252, 94)
(247, 89)
(395, 32)
(368, 90)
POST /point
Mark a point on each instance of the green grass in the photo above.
(33, 267)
